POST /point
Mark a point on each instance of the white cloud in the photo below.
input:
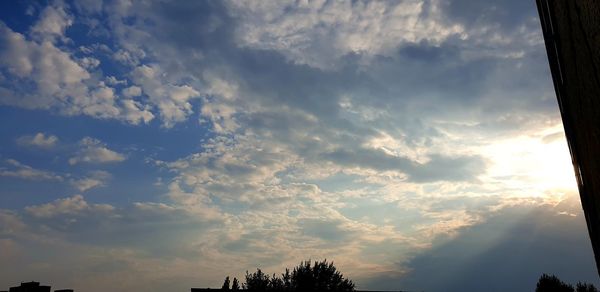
(38, 140)
(10, 223)
(172, 101)
(95, 179)
(52, 24)
(94, 151)
(132, 91)
(61, 82)
(112, 80)
(89, 63)
(130, 57)
(318, 33)
(22, 171)
(68, 206)
(136, 112)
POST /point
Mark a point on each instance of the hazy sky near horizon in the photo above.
(160, 145)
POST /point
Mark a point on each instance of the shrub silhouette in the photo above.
(320, 276)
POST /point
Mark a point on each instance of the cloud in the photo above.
(22, 171)
(10, 223)
(323, 229)
(66, 91)
(321, 33)
(523, 241)
(68, 206)
(558, 136)
(105, 242)
(135, 112)
(351, 131)
(132, 91)
(38, 140)
(437, 168)
(43, 75)
(171, 100)
(95, 179)
(94, 151)
(52, 24)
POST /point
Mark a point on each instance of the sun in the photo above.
(534, 164)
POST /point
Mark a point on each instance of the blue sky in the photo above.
(154, 145)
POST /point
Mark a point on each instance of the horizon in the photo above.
(153, 145)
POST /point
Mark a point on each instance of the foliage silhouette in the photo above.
(235, 286)
(551, 283)
(548, 283)
(585, 287)
(225, 286)
(320, 276)
(257, 281)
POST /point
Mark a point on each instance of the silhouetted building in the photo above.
(30, 287)
(571, 30)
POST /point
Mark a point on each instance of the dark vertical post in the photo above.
(572, 35)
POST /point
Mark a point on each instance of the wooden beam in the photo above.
(572, 35)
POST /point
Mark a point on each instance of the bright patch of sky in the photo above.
(144, 142)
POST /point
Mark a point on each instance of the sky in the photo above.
(163, 145)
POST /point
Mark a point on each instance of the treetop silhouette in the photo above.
(320, 276)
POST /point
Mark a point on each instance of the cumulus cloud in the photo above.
(95, 179)
(132, 91)
(68, 206)
(52, 23)
(94, 151)
(61, 82)
(173, 101)
(38, 140)
(135, 112)
(17, 169)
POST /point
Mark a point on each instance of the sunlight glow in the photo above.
(533, 164)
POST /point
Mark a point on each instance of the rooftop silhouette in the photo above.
(34, 287)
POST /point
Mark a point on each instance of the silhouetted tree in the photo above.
(257, 281)
(276, 284)
(551, 283)
(548, 283)
(321, 276)
(235, 286)
(287, 280)
(225, 286)
(585, 287)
